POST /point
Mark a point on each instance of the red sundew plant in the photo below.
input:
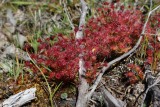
(111, 31)
(114, 31)
(134, 75)
(58, 60)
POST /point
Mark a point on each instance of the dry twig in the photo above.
(83, 87)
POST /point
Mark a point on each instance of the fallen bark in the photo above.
(20, 98)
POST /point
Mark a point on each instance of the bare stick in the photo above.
(83, 87)
(79, 34)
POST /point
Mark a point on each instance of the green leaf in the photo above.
(35, 45)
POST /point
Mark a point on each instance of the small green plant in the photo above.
(143, 49)
(15, 69)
